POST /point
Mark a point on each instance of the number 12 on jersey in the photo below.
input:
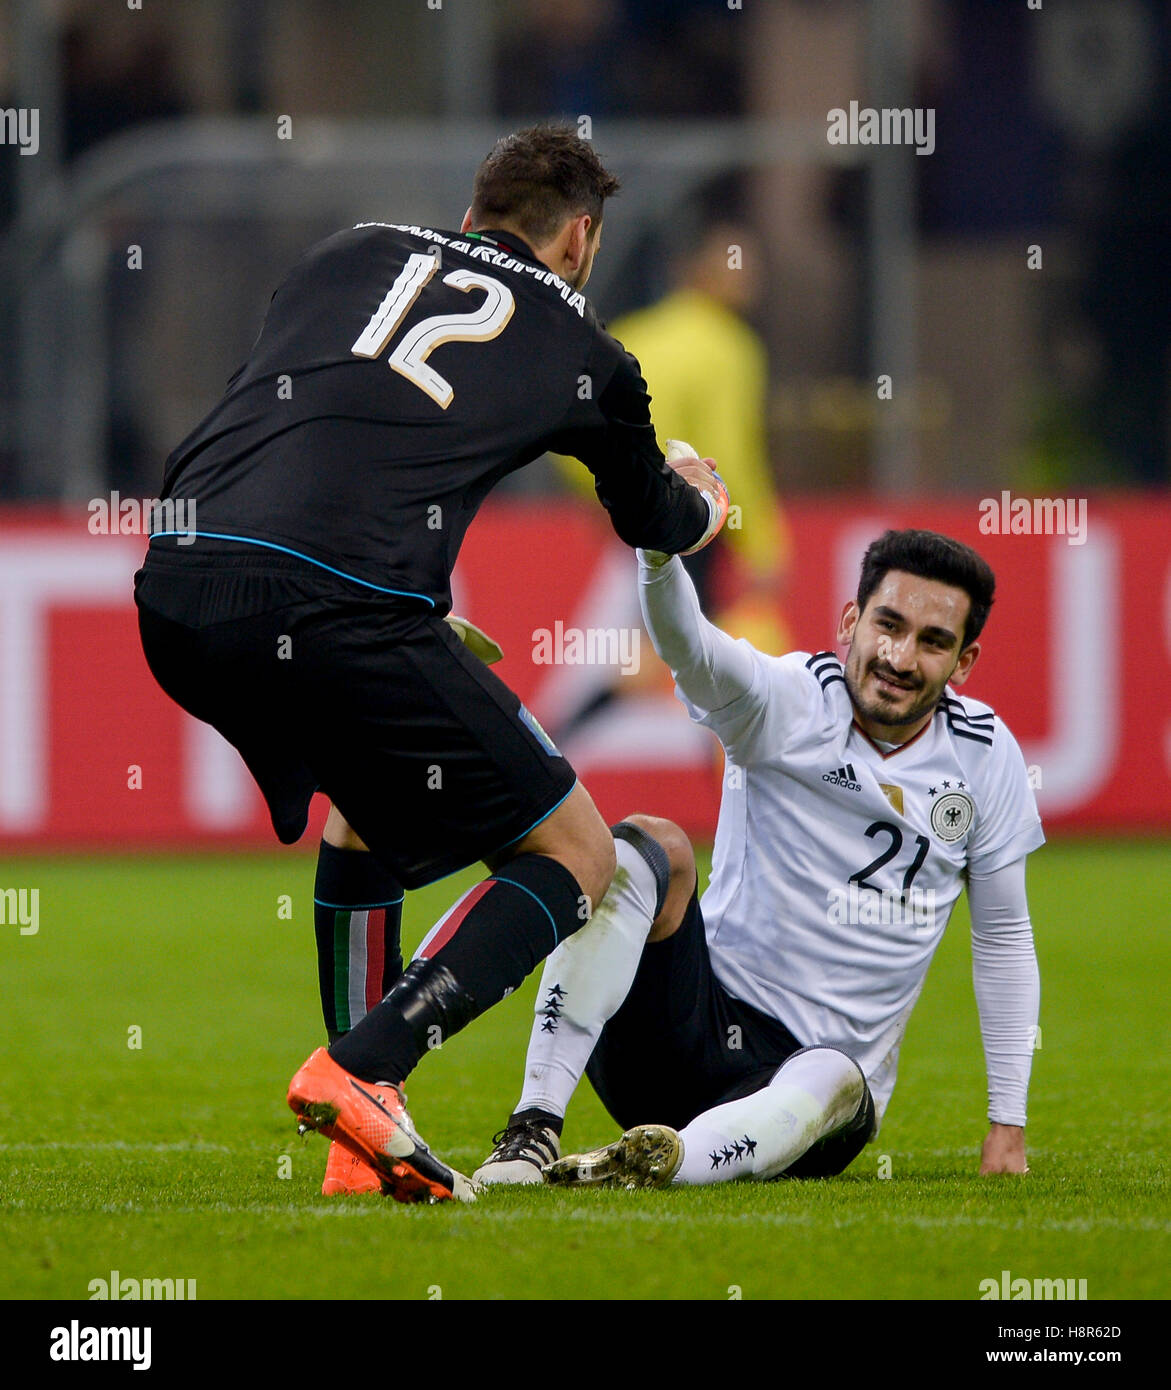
(409, 358)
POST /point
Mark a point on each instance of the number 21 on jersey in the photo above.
(409, 358)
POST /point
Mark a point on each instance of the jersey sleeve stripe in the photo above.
(965, 733)
(961, 713)
(955, 710)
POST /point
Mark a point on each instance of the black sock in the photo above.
(480, 951)
(357, 914)
(535, 1115)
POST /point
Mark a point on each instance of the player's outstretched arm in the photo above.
(1007, 986)
(650, 503)
(700, 474)
(711, 668)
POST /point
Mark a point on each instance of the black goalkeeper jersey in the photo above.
(400, 373)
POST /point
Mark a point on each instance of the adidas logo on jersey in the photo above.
(843, 777)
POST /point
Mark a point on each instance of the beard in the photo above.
(882, 710)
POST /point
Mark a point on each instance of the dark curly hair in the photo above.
(931, 556)
(536, 179)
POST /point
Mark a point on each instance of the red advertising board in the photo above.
(1076, 659)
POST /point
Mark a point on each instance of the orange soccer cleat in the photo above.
(345, 1174)
(370, 1120)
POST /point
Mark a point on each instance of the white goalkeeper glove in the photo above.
(717, 507)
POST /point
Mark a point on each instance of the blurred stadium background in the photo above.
(1012, 286)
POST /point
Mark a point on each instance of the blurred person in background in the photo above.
(706, 369)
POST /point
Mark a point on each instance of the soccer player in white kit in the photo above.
(756, 1034)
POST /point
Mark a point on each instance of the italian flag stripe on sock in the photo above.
(357, 912)
(375, 952)
(359, 950)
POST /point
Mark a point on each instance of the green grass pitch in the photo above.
(178, 1159)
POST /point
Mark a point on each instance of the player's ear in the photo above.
(466, 224)
(575, 247)
(848, 621)
(964, 665)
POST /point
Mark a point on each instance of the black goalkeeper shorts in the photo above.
(681, 1044)
(373, 700)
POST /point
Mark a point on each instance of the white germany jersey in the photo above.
(836, 864)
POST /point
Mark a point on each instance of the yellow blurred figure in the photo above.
(707, 371)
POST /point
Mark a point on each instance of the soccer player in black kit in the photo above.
(400, 373)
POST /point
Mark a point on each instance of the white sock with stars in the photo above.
(815, 1093)
(584, 983)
